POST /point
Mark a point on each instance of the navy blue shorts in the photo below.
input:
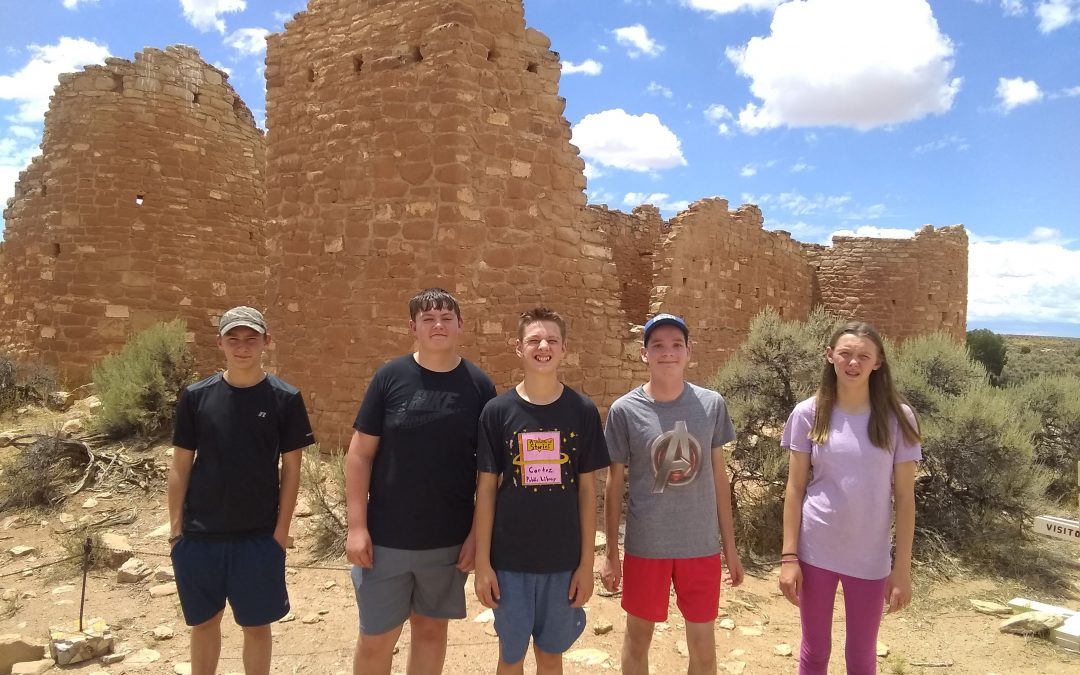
(535, 606)
(249, 573)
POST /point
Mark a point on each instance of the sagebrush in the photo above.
(138, 386)
(323, 485)
(23, 383)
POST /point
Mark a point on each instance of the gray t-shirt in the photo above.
(667, 447)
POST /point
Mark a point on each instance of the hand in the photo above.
(282, 539)
(734, 567)
(611, 572)
(898, 590)
(358, 548)
(467, 558)
(487, 586)
(581, 586)
(791, 581)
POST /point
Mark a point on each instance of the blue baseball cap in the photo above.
(665, 320)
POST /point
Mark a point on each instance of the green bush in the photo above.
(1055, 403)
(323, 483)
(24, 383)
(931, 368)
(138, 387)
(989, 349)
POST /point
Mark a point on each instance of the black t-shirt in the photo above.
(423, 480)
(238, 435)
(537, 525)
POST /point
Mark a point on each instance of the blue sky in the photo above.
(865, 116)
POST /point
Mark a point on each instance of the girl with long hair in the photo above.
(854, 447)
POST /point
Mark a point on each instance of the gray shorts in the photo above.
(402, 581)
(535, 606)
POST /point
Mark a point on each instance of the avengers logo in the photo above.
(676, 458)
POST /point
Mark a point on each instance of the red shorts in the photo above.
(647, 583)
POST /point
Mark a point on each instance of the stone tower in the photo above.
(146, 204)
(421, 143)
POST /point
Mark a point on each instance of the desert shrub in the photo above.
(1055, 403)
(778, 366)
(42, 473)
(24, 383)
(989, 349)
(1033, 356)
(138, 386)
(323, 484)
(1026, 349)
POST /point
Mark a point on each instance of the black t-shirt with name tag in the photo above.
(423, 479)
(238, 435)
(539, 451)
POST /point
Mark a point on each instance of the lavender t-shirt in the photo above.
(847, 511)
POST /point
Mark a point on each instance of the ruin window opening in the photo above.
(533, 67)
(310, 74)
(44, 189)
(195, 98)
(492, 55)
(56, 250)
(357, 63)
(251, 236)
(781, 310)
(930, 296)
(684, 281)
(757, 292)
(416, 56)
(740, 289)
(944, 317)
(118, 84)
(139, 200)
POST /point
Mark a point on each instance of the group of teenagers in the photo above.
(445, 476)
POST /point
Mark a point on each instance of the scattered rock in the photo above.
(486, 616)
(328, 585)
(991, 608)
(132, 571)
(142, 657)
(882, 649)
(162, 590)
(60, 590)
(287, 618)
(90, 404)
(182, 668)
(602, 627)
(323, 612)
(736, 653)
(72, 427)
(90, 503)
(682, 648)
(59, 400)
(161, 531)
(110, 659)
(6, 438)
(311, 618)
(118, 549)
(600, 541)
(162, 632)
(32, 667)
(68, 645)
(782, 649)
(9, 595)
(734, 667)
(1031, 623)
(164, 573)
(727, 624)
(587, 657)
(303, 509)
(21, 551)
(16, 649)
(751, 631)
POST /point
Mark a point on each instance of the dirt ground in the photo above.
(938, 633)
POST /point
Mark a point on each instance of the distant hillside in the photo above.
(1030, 356)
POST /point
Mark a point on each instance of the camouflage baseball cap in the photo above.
(242, 316)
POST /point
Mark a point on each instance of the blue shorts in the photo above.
(249, 573)
(535, 606)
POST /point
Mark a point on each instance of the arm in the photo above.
(611, 569)
(485, 582)
(798, 476)
(466, 561)
(581, 583)
(358, 460)
(898, 588)
(724, 515)
(179, 477)
(289, 488)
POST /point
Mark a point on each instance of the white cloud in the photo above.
(1035, 279)
(592, 171)
(848, 63)
(637, 41)
(720, 117)
(801, 166)
(1013, 7)
(658, 89)
(16, 151)
(1055, 14)
(748, 171)
(875, 232)
(586, 67)
(1015, 92)
(730, 6)
(1071, 91)
(32, 85)
(800, 205)
(632, 142)
(283, 17)
(953, 141)
(223, 68)
(206, 14)
(74, 4)
(800, 230)
(660, 200)
(248, 41)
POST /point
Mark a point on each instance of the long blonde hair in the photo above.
(886, 404)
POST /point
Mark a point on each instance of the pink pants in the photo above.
(864, 601)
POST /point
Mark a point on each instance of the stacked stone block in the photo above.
(146, 204)
(415, 144)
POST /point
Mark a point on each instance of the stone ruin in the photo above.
(410, 144)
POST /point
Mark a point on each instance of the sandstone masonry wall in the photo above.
(905, 287)
(414, 144)
(145, 205)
